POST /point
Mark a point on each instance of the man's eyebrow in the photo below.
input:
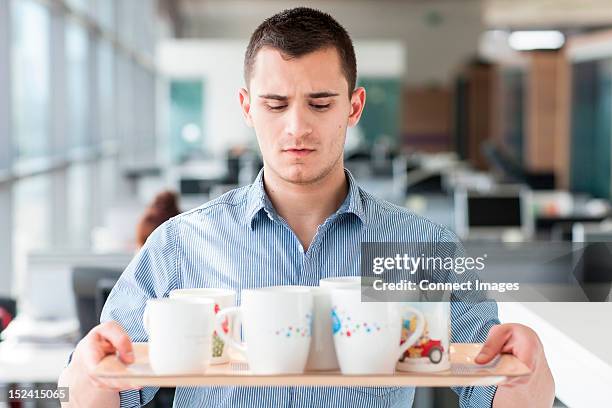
(325, 94)
(314, 95)
(273, 96)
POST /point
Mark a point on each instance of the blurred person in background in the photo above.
(163, 207)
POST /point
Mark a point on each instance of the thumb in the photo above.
(498, 335)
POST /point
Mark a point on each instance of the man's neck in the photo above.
(306, 206)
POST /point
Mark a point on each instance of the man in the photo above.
(302, 219)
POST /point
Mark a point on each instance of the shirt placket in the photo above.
(309, 275)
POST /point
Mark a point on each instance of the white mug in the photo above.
(367, 335)
(322, 355)
(431, 352)
(363, 282)
(180, 332)
(223, 298)
(276, 322)
(340, 282)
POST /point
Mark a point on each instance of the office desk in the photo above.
(29, 363)
(546, 223)
(577, 340)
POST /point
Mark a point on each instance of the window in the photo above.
(126, 22)
(67, 75)
(106, 91)
(105, 12)
(32, 220)
(30, 79)
(77, 95)
(125, 107)
(79, 5)
(5, 126)
(79, 206)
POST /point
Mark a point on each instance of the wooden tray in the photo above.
(463, 372)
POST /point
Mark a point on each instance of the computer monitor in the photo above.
(91, 287)
(498, 213)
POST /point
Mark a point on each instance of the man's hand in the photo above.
(103, 340)
(85, 388)
(534, 390)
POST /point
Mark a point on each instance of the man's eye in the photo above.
(321, 107)
(277, 108)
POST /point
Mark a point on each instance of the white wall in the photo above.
(219, 62)
(219, 65)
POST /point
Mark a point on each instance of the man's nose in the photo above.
(298, 122)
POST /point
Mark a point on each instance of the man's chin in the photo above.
(299, 178)
(300, 174)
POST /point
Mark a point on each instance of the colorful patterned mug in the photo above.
(276, 322)
(322, 355)
(223, 298)
(367, 335)
(431, 352)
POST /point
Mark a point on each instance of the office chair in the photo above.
(89, 285)
(425, 182)
(513, 171)
(92, 285)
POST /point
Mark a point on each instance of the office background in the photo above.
(105, 103)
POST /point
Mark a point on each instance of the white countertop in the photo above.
(29, 363)
(577, 340)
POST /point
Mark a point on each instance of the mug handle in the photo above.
(418, 331)
(229, 338)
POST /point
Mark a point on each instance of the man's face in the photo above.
(300, 109)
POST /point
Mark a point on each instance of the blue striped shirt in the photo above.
(239, 241)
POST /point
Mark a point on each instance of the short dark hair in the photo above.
(300, 31)
(163, 207)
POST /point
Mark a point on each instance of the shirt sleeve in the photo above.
(472, 317)
(152, 273)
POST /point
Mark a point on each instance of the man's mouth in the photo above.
(298, 152)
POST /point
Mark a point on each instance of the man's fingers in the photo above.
(498, 336)
(114, 334)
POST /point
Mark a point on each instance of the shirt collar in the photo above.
(257, 200)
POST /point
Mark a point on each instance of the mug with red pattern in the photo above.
(431, 352)
(223, 298)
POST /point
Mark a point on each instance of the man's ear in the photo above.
(245, 104)
(358, 98)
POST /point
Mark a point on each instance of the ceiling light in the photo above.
(536, 40)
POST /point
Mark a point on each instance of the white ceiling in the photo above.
(547, 13)
(495, 13)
